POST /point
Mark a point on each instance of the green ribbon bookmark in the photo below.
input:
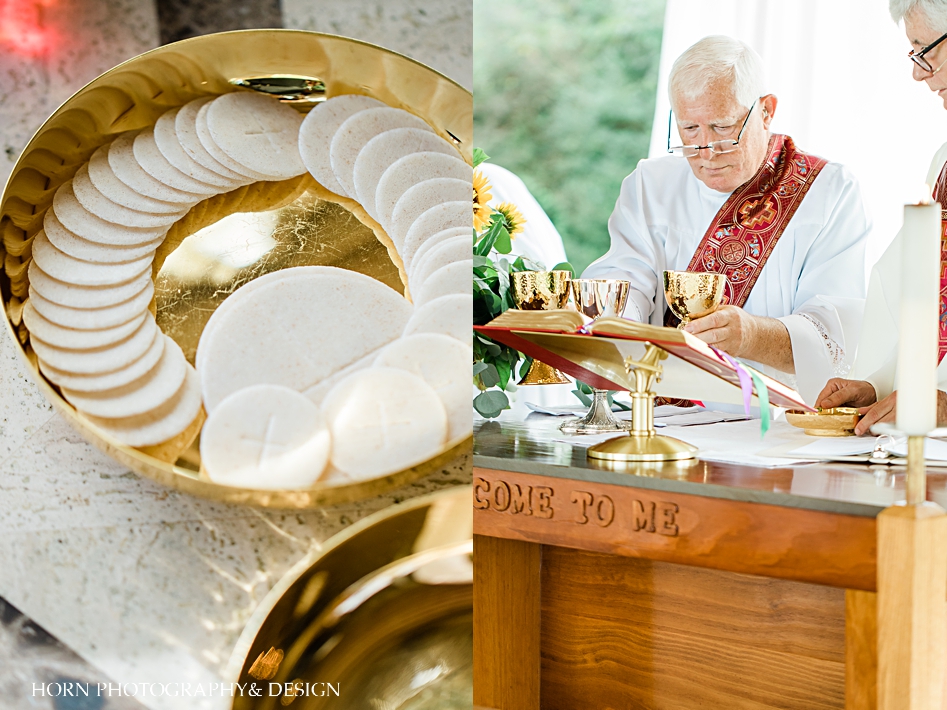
(762, 394)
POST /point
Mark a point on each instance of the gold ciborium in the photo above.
(541, 291)
(693, 294)
(596, 298)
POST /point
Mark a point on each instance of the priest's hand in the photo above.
(846, 393)
(885, 410)
(737, 333)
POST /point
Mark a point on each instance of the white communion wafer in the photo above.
(161, 424)
(357, 130)
(84, 296)
(185, 127)
(109, 380)
(97, 203)
(450, 315)
(383, 420)
(70, 270)
(436, 240)
(98, 361)
(77, 247)
(72, 339)
(78, 220)
(444, 363)
(94, 318)
(153, 162)
(382, 151)
(441, 217)
(408, 171)
(258, 132)
(296, 330)
(126, 168)
(452, 278)
(419, 199)
(317, 130)
(265, 436)
(101, 175)
(145, 394)
(207, 140)
(437, 254)
(166, 138)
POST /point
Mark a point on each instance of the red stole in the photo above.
(744, 232)
(940, 195)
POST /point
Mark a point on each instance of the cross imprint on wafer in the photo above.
(267, 444)
(268, 134)
(386, 422)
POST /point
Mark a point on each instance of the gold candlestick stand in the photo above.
(912, 585)
(642, 443)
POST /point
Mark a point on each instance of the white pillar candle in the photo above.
(920, 305)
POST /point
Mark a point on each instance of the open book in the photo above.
(595, 351)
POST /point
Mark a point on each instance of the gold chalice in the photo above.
(597, 298)
(691, 295)
(541, 291)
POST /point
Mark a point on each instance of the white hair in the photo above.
(935, 11)
(714, 58)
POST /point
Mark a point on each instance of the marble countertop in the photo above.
(535, 445)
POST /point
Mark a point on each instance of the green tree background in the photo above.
(564, 94)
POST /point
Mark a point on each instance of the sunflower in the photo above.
(512, 219)
(481, 196)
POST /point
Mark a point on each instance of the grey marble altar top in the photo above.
(536, 446)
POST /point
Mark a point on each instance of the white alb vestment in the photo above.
(814, 280)
(539, 240)
(877, 358)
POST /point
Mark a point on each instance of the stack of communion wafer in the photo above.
(304, 373)
(368, 384)
(90, 278)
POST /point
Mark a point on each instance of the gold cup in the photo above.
(692, 295)
(541, 291)
(598, 298)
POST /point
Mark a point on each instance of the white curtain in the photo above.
(841, 74)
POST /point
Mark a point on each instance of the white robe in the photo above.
(540, 239)
(814, 280)
(877, 358)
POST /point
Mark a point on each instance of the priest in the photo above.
(872, 387)
(787, 228)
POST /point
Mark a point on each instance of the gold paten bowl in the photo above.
(277, 224)
(383, 614)
(838, 421)
(693, 295)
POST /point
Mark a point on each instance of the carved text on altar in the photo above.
(653, 517)
(513, 498)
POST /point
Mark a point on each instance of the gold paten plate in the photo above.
(383, 613)
(839, 421)
(227, 240)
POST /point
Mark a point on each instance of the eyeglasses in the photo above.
(725, 146)
(918, 57)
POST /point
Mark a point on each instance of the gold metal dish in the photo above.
(382, 614)
(839, 421)
(230, 239)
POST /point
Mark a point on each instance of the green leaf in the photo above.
(490, 404)
(481, 261)
(503, 244)
(504, 369)
(524, 368)
(479, 367)
(490, 377)
(479, 156)
(564, 266)
(583, 397)
(483, 247)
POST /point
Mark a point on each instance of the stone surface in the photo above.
(180, 19)
(439, 34)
